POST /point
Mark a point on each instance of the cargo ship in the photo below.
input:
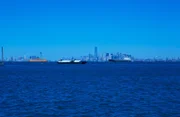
(124, 60)
(71, 62)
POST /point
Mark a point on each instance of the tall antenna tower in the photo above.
(2, 61)
(2, 50)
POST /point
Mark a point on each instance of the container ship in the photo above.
(71, 62)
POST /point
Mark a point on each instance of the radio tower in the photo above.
(2, 49)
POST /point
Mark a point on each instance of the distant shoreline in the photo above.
(98, 62)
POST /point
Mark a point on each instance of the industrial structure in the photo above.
(2, 55)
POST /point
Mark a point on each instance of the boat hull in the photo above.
(82, 62)
(120, 61)
(38, 61)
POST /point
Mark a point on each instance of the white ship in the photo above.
(124, 60)
(71, 62)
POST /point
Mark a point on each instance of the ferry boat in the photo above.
(38, 60)
(71, 62)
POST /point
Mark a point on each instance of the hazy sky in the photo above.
(143, 28)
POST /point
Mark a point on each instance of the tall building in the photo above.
(90, 57)
(96, 53)
(41, 55)
(107, 56)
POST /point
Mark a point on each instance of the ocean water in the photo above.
(91, 90)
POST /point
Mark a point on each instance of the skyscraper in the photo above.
(41, 55)
(96, 53)
(107, 56)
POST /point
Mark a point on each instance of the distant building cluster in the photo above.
(96, 57)
(105, 57)
(24, 58)
(158, 60)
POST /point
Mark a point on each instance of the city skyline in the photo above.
(144, 29)
(94, 57)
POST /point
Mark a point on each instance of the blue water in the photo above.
(91, 90)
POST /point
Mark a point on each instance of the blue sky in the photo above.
(143, 28)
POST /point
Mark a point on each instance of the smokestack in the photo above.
(2, 50)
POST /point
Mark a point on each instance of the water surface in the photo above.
(91, 90)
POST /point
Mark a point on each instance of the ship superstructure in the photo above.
(71, 62)
(125, 59)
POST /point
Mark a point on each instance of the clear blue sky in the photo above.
(143, 28)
